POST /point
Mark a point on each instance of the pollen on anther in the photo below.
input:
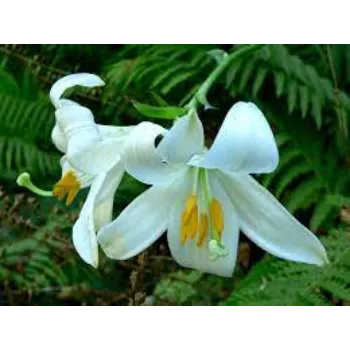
(68, 186)
(202, 229)
(183, 230)
(217, 216)
(191, 206)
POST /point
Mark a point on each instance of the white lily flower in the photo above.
(203, 198)
(91, 159)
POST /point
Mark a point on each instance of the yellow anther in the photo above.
(183, 229)
(191, 207)
(68, 185)
(202, 229)
(217, 216)
(189, 219)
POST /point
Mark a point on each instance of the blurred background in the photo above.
(304, 91)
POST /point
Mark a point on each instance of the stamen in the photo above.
(214, 225)
(184, 230)
(217, 216)
(202, 228)
(190, 216)
(68, 185)
(190, 206)
(25, 181)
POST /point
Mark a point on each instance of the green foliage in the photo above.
(188, 287)
(306, 176)
(172, 71)
(159, 112)
(301, 86)
(25, 126)
(304, 92)
(278, 282)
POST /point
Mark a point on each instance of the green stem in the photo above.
(202, 92)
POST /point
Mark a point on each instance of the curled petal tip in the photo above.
(81, 79)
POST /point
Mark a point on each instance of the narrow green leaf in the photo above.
(218, 55)
(317, 110)
(292, 96)
(232, 73)
(159, 99)
(290, 175)
(322, 209)
(304, 99)
(304, 195)
(246, 74)
(259, 80)
(338, 200)
(281, 139)
(159, 112)
(279, 82)
(8, 84)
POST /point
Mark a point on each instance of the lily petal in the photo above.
(245, 142)
(141, 223)
(99, 157)
(183, 140)
(59, 137)
(84, 233)
(85, 180)
(142, 161)
(96, 212)
(268, 224)
(81, 79)
(103, 209)
(189, 255)
(78, 125)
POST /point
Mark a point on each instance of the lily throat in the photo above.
(202, 219)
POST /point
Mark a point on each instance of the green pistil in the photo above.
(25, 181)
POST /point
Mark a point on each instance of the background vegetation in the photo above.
(304, 90)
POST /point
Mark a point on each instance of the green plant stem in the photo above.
(200, 96)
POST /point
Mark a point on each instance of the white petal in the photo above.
(105, 197)
(189, 255)
(99, 157)
(84, 179)
(84, 232)
(58, 135)
(96, 212)
(268, 224)
(140, 223)
(59, 139)
(112, 132)
(78, 125)
(81, 79)
(183, 140)
(107, 132)
(245, 142)
(141, 159)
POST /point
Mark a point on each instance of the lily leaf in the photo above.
(160, 100)
(218, 55)
(168, 112)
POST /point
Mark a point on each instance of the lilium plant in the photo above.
(203, 198)
(91, 159)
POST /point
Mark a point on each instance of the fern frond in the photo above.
(297, 81)
(278, 282)
(164, 69)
